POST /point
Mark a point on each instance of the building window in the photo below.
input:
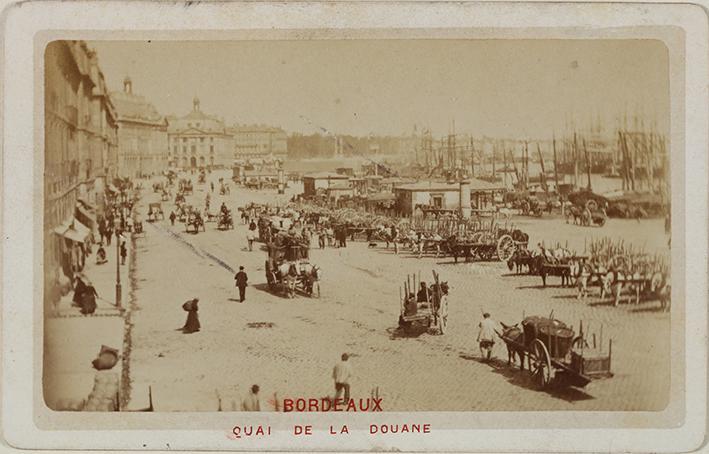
(201, 139)
(193, 149)
(198, 125)
(211, 148)
(184, 149)
(184, 140)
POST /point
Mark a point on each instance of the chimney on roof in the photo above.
(195, 104)
(127, 85)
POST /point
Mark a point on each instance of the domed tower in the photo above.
(195, 104)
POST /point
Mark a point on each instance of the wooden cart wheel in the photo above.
(541, 364)
(579, 343)
(591, 204)
(505, 248)
(475, 238)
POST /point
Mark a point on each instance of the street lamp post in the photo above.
(118, 265)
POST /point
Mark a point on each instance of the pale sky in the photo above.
(500, 88)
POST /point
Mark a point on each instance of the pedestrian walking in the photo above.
(192, 323)
(79, 289)
(109, 234)
(251, 237)
(251, 402)
(341, 373)
(211, 185)
(172, 217)
(124, 252)
(486, 336)
(88, 299)
(242, 281)
(322, 237)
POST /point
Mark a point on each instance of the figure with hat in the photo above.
(242, 280)
(486, 336)
(192, 323)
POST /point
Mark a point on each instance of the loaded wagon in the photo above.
(428, 307)
(289, 271)
(483, 246)
(555, 354)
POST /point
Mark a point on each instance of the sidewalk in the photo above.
(103, 278)
(73, 340)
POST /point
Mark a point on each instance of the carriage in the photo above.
(194, 222)
(155, 212)
(183, 212)
(485, 245)
(185, 186)
(288, 270)
(225, 220)
(555, 354)
(138, 229)
(430, 311)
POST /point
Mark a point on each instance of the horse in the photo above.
(312, 275)
(513, 333)
(287, 272)
(661, 288)
(576, 213)
(521, 258)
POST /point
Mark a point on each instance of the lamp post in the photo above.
(118, 263)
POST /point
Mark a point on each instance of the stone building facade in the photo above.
(142, 134)
(80, 152)
(198, 140)
(259, 142)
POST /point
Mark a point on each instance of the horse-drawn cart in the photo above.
(194, 222)
(483, 246)
(155, 212)
(225, 221)
(555, 355)
(289, 271)
(428, 307)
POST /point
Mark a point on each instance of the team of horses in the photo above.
(636, 283)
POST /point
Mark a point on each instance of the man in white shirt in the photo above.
(486, 336)
(342, 374)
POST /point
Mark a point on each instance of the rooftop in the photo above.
(326, 176)
(476, 185)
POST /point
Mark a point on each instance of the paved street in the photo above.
(289, 347)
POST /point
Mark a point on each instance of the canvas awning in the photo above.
(73, 230)
(89, 217)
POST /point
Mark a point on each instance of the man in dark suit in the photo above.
(241, 281)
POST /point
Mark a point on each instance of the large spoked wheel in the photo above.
(579, 343)
(592, 205)
(541, 364)
(505, 248)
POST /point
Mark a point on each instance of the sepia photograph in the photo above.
(357, 225)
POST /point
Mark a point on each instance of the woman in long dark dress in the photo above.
(192, 323)
(88, 300)
(79, 289)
